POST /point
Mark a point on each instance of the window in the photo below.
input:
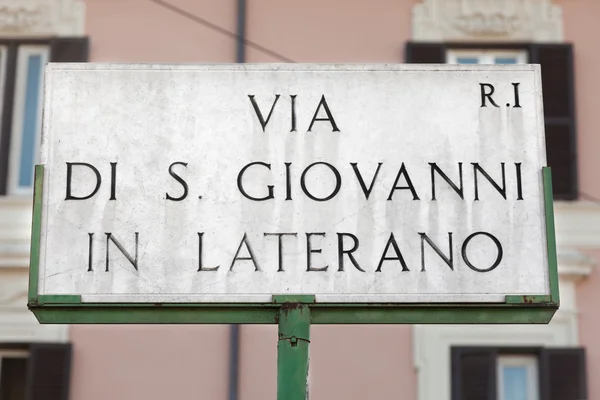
(486, 57)
(26, 118)
(486, 373)
(556, 62)
(21, 83)
(517, 377)
(35, 372)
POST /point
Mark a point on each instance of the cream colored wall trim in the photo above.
(477, 20)
(577, 224)
(15, 231)
(42, 18)
(20, 326)
(574, 265)
(17, 323)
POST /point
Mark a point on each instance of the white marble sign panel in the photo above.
(231, 183)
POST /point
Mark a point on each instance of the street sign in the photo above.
(377, 193)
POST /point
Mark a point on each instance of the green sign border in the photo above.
(68, 309)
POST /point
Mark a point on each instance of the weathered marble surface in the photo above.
(144, 118)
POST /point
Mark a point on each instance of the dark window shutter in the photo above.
(473, 373)
(10, 78)
(69, 49)
(425, 53)
(48, 372)
(556, 61)
(12, 378)
(563, 374)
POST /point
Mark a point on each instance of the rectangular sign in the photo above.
(234, 183)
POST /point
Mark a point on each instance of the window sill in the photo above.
(577, 224)
(15, 230)
(17, 199)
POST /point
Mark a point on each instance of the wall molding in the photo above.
(577, 224)
(574, 265)
(15, 231)
(42, 18)
(17, 323)
(497, 20)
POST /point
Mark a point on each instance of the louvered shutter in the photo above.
(69, 49)
(48, 372)
(12, 378)
(425, 53)
(563, 374)
(556, 62)
(473, 374)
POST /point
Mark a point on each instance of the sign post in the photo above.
(292, 348)
(293, 195)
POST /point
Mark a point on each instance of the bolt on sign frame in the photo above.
(294, 313)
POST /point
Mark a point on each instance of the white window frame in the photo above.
(485, 56)
(16, 140)
(530, 362)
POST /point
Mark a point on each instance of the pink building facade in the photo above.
(558, 361)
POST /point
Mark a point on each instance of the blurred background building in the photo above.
(434, 362)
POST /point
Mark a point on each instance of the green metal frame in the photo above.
(292, 350)
(518, 309)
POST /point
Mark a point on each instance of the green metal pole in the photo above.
(292, 351)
